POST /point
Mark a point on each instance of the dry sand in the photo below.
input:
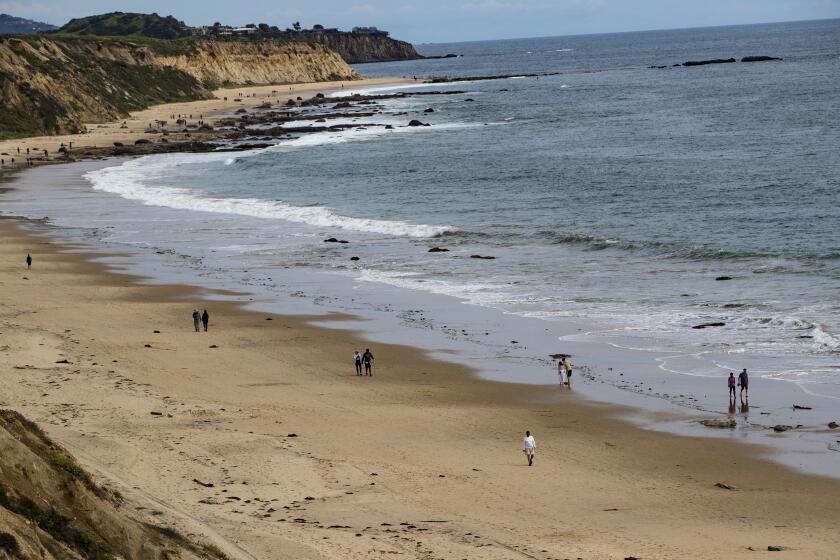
(421, 461)
(225, 102)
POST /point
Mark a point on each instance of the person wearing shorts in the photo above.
(529, 447)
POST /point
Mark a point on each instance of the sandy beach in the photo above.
(307, 460)
(225, 103)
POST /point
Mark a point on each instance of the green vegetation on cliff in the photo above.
(122, 24)
(54, 86)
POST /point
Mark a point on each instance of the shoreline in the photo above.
(463, 424)
(379, 315)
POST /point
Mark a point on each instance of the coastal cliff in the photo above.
(356, 48)
(259, 62)
(53, 85)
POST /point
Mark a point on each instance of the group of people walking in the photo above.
(365, 360)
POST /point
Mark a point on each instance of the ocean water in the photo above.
(613, 197)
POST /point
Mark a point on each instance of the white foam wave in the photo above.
(128, 181)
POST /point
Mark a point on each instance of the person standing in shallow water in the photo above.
(367, 358)
(196, 320)
(529, 447)
(731, 381)
(28, 261)
(205, 319)
(744, 382)
(357, 359)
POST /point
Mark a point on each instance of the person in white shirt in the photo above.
(357, 359)
(529, 447)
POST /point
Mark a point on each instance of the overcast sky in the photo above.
(450, 20)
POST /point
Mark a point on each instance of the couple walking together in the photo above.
(365, 359)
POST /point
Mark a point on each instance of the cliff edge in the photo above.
(55, 84)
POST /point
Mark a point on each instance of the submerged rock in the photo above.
(415, 122)
(707, 325)
(719, 423)
(438, 250)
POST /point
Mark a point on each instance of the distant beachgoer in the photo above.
(529, 447)
(367, 358)
(744, 382)
(732, 383)
(28, 261)
(561, 371)
(196, 320)
(205, 319)
(357, 359)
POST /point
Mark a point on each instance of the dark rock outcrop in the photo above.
(762, 58)
(711, 61)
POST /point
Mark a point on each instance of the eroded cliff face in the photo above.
(358, 48)
(260, 62)
(54, 85)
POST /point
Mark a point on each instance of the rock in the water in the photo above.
(438, 250)
(762, 58)
(429, 110)
(722, 278)
(707, 325)
(781, 428)
(801, 407)
(481, 257)
(712, 61)
(331, 240)
(833, 425)
(354, 258)
(415, 122)
(719, 422)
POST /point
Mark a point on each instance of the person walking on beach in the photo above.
(357, 359)
(367, 358)
(28, 261)
(196, 320)
(731, 381)
(529, 447)
(744, 382)
(205, 319)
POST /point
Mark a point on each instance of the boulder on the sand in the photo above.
(711, 61)
(291, 103)
(141, 141)
(775, 548)
(118, 144)
(241, 111)
(719, 422)
(762, 58)
(707, 325)
(438, 250)
(415, 122)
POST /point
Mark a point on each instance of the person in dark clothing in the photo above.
(367, 359)
(196, 319)
(357, 359)
(744, 382)
(28, 260)
(205, 319)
